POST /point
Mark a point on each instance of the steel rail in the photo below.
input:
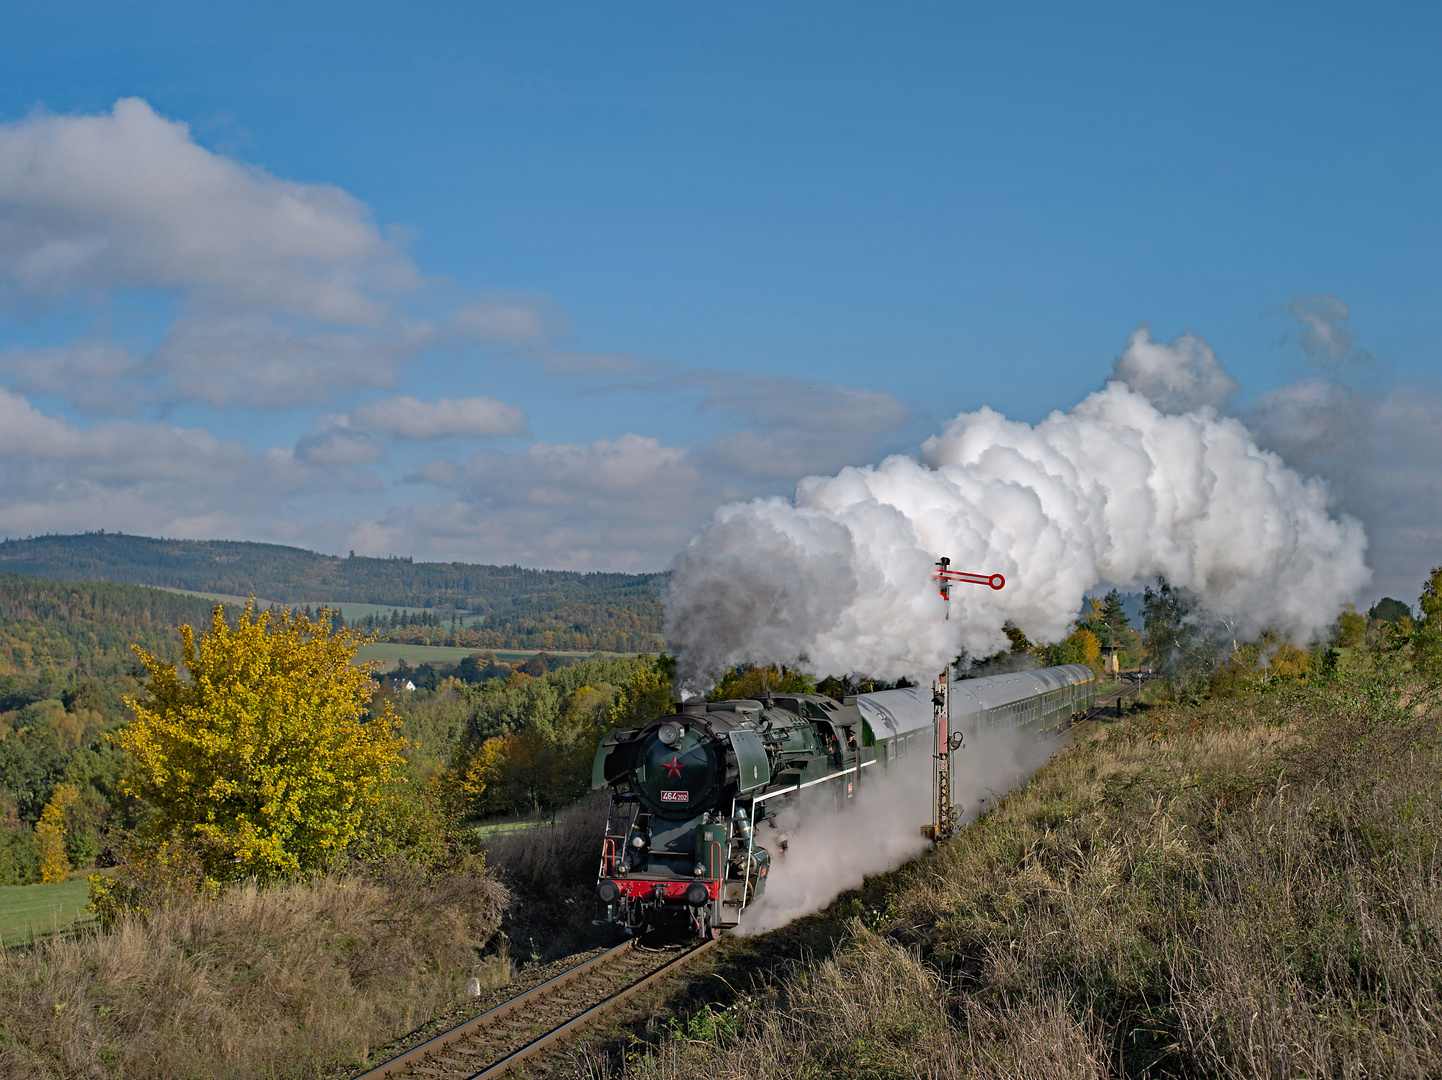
(595, 1012)
(418, 1056)
(432, 1046)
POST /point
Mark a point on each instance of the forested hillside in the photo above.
(74, 629)
(522, 609)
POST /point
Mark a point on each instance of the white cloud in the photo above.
(1381, 454)
(255, 361)
(409, 418)
(796, 428)
(97, 376)
(151, 478)
(1175, 376)
(340, 446)
(128, 200)
(508, 320)
(614, 504)
(1323, 330)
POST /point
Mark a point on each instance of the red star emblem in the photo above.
(673, 767)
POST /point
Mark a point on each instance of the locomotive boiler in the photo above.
(688, 791)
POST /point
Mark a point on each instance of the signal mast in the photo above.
(945, 812)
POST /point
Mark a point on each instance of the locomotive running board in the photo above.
(809, 783)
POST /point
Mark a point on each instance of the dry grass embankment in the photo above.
(550, 871)
(287, 981)
(1243, 888)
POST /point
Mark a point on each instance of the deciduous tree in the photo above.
(1427, 633)
(262, 753)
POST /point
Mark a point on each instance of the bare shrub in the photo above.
(286, 981)
(550, 870)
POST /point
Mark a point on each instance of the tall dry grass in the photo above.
(287, 981)
(550, 871)
(1243, 889)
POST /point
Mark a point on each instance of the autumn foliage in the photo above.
(261, 755)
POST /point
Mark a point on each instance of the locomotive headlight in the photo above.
(638, 842)
(699, 870)
(670, 734)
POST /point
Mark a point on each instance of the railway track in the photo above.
(1111, 701)
(535, 1023)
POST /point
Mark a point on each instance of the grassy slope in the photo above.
(291, 981)
(349, 610)
(37, 910)
(1249, 888)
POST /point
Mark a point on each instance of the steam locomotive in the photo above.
(689, 791)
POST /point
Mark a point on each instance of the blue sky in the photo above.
(705, 250)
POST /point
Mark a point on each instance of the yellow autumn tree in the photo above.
(261, 754)
(50, 833)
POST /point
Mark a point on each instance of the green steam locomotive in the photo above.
(688, 791)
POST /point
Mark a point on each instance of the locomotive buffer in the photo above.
(946, 816)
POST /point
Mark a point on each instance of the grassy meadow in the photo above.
(388, 654)
(35, 911)
(348, 609)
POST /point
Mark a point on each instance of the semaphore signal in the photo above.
(943, 827)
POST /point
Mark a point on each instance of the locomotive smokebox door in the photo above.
(753, 767)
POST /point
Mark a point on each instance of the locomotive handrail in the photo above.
(810, 783)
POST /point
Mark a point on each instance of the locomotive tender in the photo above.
(688, 791)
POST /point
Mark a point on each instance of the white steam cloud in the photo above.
(1120, 488)
(827, 853)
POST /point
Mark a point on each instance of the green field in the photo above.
(349, 610)
(387, 653)
(41, 909)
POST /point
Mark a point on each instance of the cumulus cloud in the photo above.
(99, 377)
(1323, 330)
(1377, 445)
(508, 320)
(613, 504)
(258, 362)
(287, 293)
(246, 361)
(155, 478)
(629, 503)
(795, 428)
(128, 200)
(1175, 376)
(409, 418)
(339, 446)
(1381, 454)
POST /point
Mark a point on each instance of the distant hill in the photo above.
(523, 608)
(86, 628)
